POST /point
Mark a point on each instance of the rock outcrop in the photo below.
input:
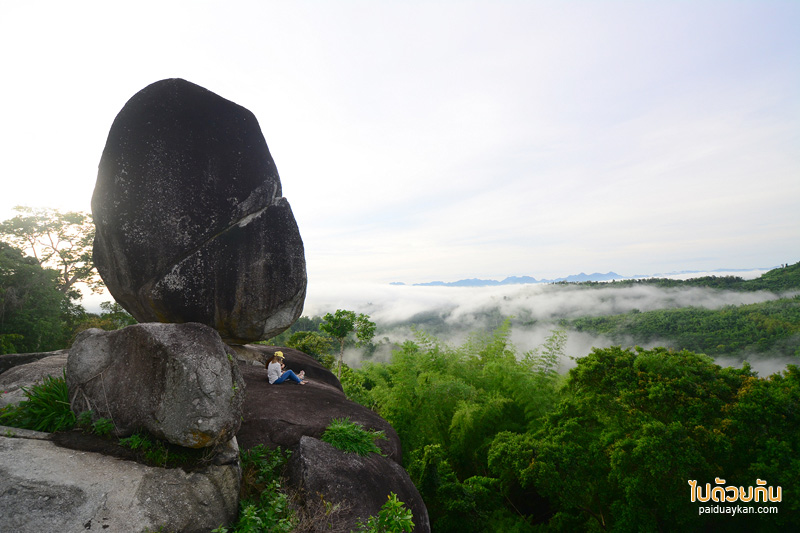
(47, 488)
(288, 415)
(191, 224)
(176, 381)
(295, 416)
(10, 360)
(318, 470)
(279, 415)
(27, 372)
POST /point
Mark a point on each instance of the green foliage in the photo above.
(393, 517)
(777, 280)
(112, 317)
(772, 326)
(351, 437)
(154, 451)
(303, 323)
(448, 404)
(157, 452)
(341, 324)
(84, 420)
(263, 505)
(102, 427)
(34, 314)
(45, 409)
(311, 342)
(635, 426)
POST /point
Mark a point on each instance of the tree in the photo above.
(62, 241)
(312, 343)
(635, 425)
(112, 316)
(341, 324)
(34, 314)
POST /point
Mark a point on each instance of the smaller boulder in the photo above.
(176, 381)
(28, 374)
(44, 487)
(317, 469)
(10, 360)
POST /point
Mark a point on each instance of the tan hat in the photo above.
(279, 355)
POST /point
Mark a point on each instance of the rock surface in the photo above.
(45, 488)
(318, 469)
(279, 415)
(283, 415)
(191, 225)
(294, 416)
(10, 360)
(176, 381)
(29, 374)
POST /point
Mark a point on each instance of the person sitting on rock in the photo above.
(276, 374)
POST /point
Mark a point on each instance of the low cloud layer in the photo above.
(390, 304)
(468, 309)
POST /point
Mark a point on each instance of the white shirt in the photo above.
(274, 371)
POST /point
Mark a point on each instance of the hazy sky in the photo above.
(446, 140)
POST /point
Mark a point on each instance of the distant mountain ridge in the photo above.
(574, 278)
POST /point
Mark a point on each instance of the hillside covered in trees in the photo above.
(654, 438)
(497, 440)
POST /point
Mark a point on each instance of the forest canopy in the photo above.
(497, 441)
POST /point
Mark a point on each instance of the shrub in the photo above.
(393, 517)
(351, 437)
(263, 506)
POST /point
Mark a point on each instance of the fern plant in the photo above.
(45, 409)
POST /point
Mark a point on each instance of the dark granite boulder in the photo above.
(360, 484)
(280, 415)
(191, 224)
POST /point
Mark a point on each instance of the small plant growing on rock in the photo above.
(45, 409)
(351, 437)
(263, 506)
(393, 517)
(84, 420)
(102, 427)
(154, 451)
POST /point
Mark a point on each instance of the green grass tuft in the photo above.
(351, 437)
(45, 409)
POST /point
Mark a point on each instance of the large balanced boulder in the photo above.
(50, 489)
(191, 224)
(177, 381)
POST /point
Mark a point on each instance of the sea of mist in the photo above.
(453, 313)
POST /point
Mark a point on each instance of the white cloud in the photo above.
(452, 140)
